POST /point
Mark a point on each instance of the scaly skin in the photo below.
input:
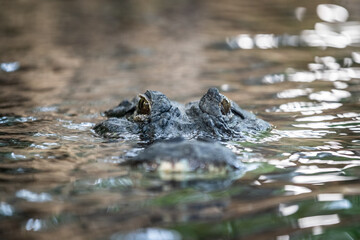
(153, 116)
(179, 155)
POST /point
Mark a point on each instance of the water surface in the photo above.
(65, 62)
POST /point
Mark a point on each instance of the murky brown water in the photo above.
(76, 59)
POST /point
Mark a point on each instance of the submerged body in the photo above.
(153, 116)
(187, 156)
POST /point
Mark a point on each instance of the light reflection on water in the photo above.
(335, 32)
(58, 178)
(33, 197)
(149, 233)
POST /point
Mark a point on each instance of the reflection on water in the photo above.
(6, 209)
(296, 66)
(33, 197)
(149, 233)
(335, 32)
(10, 66)
(318, 221)
(332, 13)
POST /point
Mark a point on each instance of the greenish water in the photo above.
(65, 62)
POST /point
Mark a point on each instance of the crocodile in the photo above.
(152, 116)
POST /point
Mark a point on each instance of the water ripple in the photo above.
(339, 205)
(320, 220)
(296, 190)
(318, 118)
(6, 209)
(33, 197)
(47, 109)
(315, 170)
(77, 126)
(294, 93)
(323, 178)
(148, 234)
(9, 66)
(46, 145)
(34, 224)
(334, 95)
(307, 108)
(333, 125)
(297, 134)
(10, 120)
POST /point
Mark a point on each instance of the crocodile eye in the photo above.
(144, 106)
(225, 106)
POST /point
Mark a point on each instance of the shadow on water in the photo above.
(294, 64)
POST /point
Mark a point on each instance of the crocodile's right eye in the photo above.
(144, 106)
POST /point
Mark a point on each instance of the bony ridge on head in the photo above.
(151, 104)
(214, 103)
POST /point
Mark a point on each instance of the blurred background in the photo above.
(293, 63)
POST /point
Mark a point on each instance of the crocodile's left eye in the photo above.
(225, 106)
(144, 106)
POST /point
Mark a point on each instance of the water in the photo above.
(64, 62)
